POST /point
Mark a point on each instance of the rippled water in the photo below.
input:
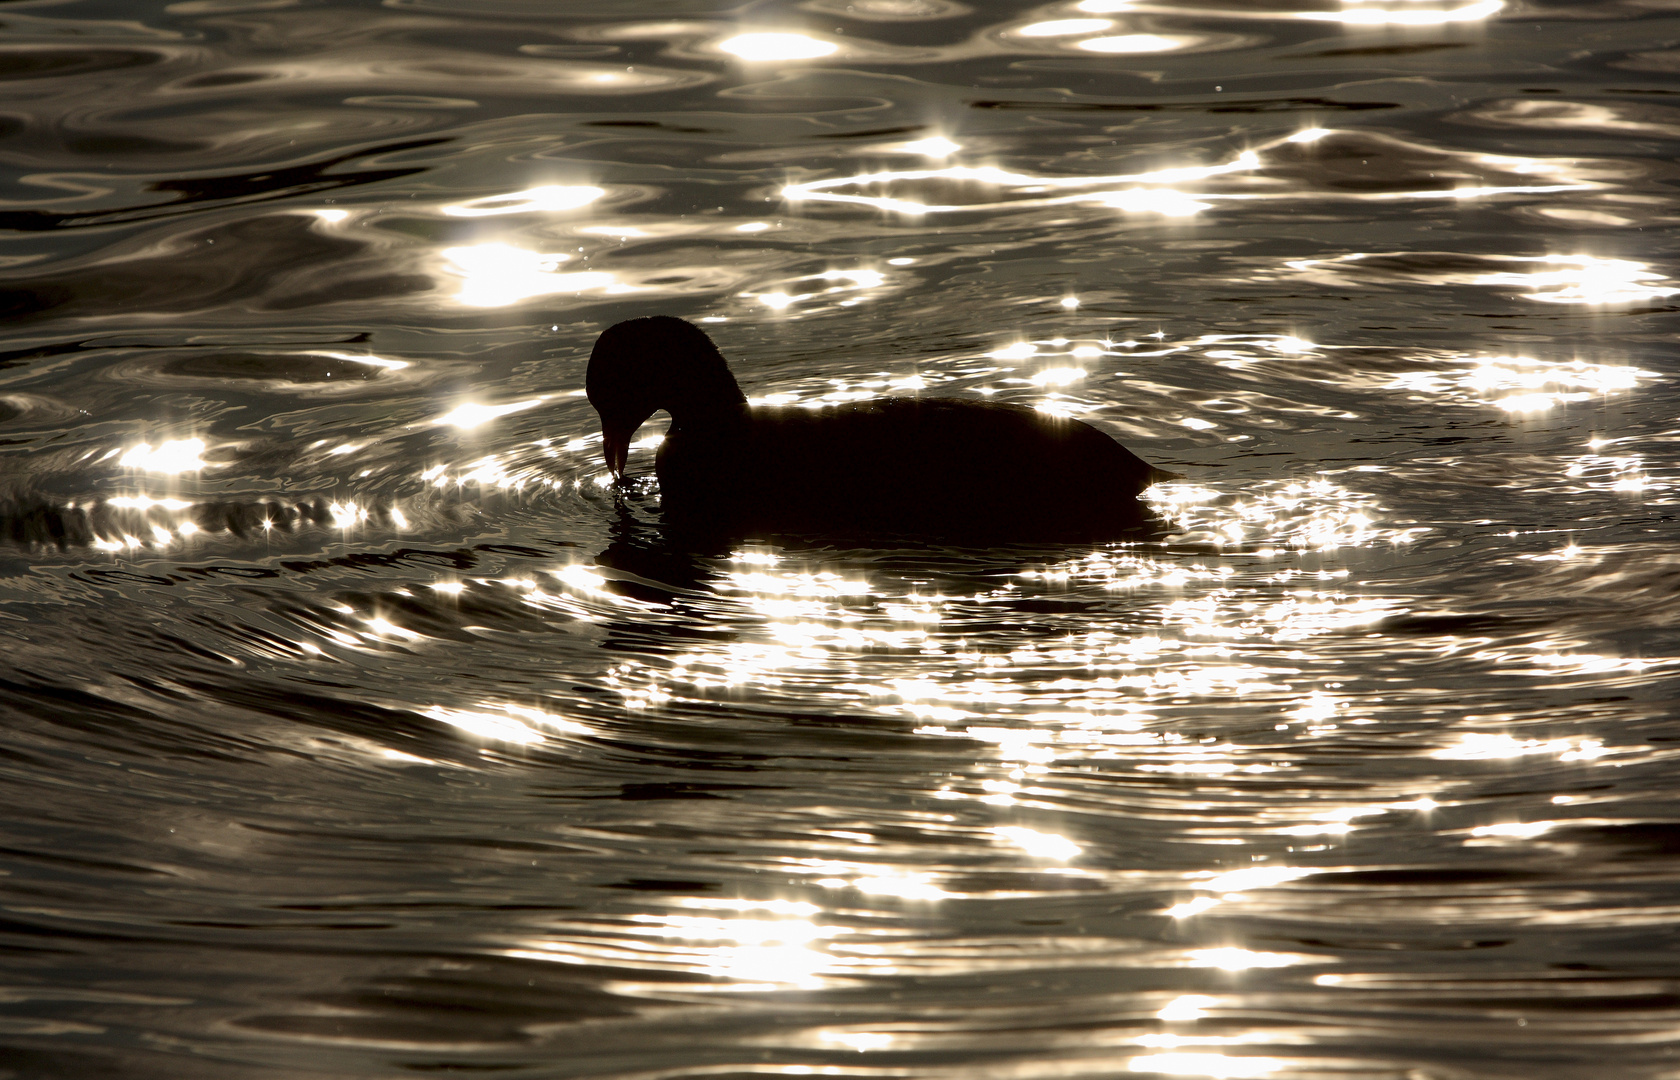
(354, 727)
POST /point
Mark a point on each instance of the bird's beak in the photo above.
(615, 447)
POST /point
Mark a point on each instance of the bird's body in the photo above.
(935, 467)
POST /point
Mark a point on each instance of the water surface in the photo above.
(356, 727)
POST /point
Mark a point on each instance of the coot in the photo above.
(947, 469)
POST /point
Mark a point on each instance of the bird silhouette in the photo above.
(942, 468)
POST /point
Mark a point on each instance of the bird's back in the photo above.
(958, 470)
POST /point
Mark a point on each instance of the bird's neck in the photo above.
(701, 402)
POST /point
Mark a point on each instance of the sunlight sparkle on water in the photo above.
(384, 627)
(1522, 383)
(520, 725)
(485, 725)
(365, 358)
(1135, 43)
(1404, 13)
(1164, 201)
(905, 886)
(861, 1041)
(818, 583)
(1529, 403)
(1235, 959)
(546, 199)
(173, 456)
(347, 514)
(751, 954)
(1583, 279)
(497, 274)
(582, 578)
(829, 285)
(1254, 877)
(1217, 1066)
(1192, 907)
(933, 146)
(1062, 27)
(764, 953)
(1611, 472)
(1484, 746)
(472, 415)
(1516, 830)
(762, 47)
(146, 502)
(1187, 1007)
(1316, 515)
(794, 908)
(1039, 844)
(489, 470)
(1153, 191)
(1552, 279)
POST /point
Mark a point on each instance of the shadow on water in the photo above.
(657, 559)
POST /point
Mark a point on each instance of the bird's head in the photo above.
(644, 365)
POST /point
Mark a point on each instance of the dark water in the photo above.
(354, 728)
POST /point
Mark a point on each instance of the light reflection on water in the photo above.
(356, 723)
